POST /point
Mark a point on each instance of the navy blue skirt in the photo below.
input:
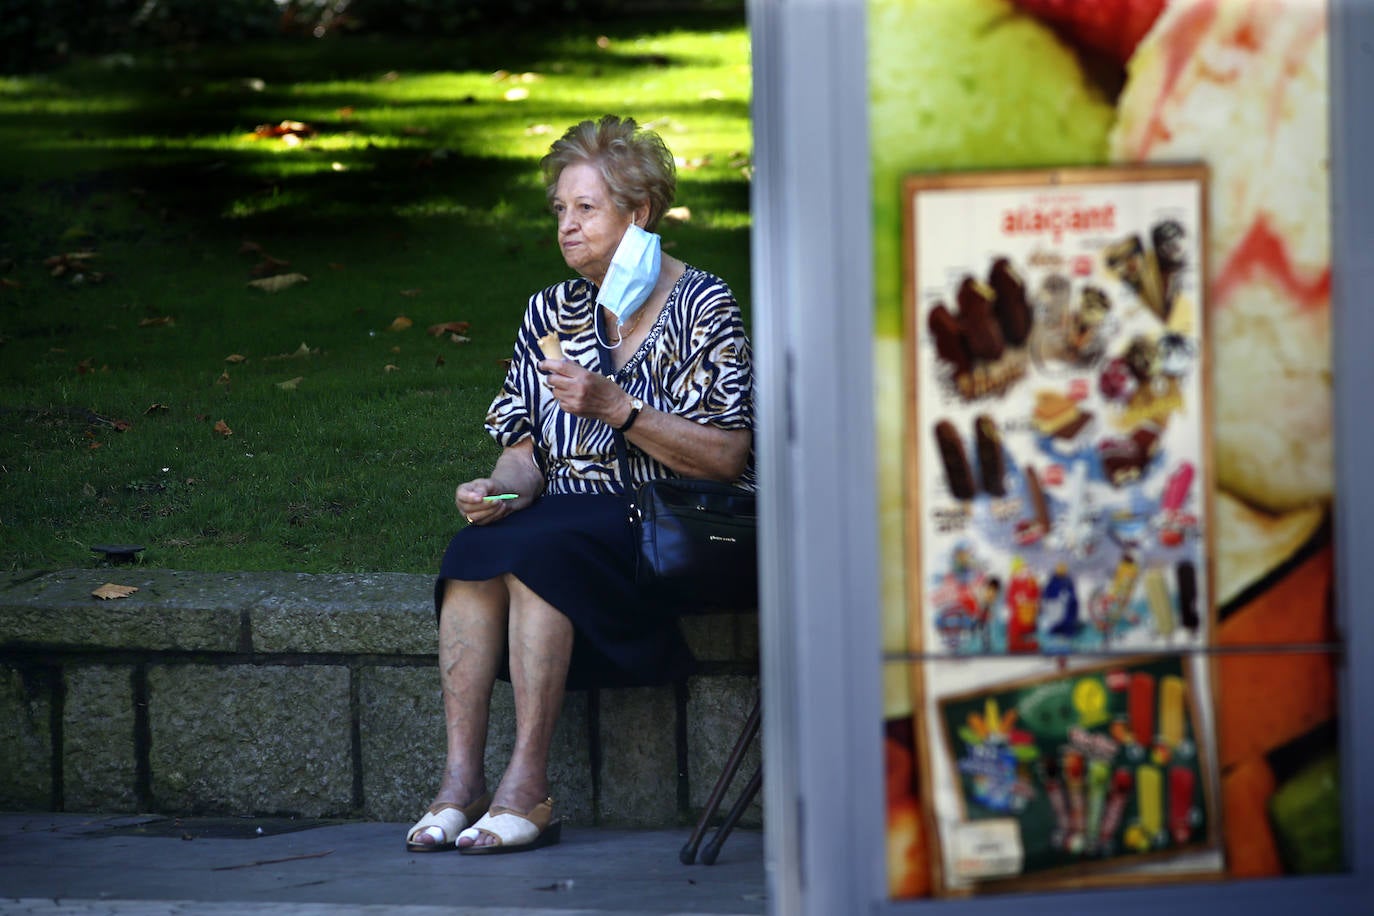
(577, 553)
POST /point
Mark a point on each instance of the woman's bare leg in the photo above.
(541, 640)
(472, 637)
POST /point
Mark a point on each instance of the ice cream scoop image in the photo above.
(1241, 85)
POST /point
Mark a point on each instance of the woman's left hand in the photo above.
(581, 392)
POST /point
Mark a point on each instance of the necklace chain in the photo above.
(621, 330)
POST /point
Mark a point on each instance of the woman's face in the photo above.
(589, 224)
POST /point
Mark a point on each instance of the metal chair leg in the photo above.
(708, 855)
(751, 728)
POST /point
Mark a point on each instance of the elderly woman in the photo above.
(539, 587)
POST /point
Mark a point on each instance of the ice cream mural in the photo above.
(1238, 87)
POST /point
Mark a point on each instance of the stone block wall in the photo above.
(316, 696)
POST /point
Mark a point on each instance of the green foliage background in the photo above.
(140, 203)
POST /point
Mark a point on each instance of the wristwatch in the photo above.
(636, 405)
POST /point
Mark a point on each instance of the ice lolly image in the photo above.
(1172, 694)
(991, 467)
(958, 470)
(1186, 574)
(550, 347)
(1180, 803)
(1099, 775)
(1054, 788)
(1122, 781)
(1141, 707)
(1149, 799)
(1161, 605)
(1176, 488)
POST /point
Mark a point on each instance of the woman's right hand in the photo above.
(471, 501)
(515, 473)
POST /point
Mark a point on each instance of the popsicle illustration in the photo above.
(1149, 799)
(1180, 803)
(1122, 781)
(1186, 574)
(1172, 694)
(1176, 488)
(1074, 779)
(1161, 605)
(1054, 788)
(1099, 775)
(1141, 707)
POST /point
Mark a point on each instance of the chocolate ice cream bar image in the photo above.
(958, 472)
(949, 339)
(991, 467)
(1040, 507)
(1170, 254)
(1135, 266)
(978, 320)
(550, 347)
(1167, 239)
(1186, 574)
(1013, 312)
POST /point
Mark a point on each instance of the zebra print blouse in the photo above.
(695, 362)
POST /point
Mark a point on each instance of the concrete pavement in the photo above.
(124, 865)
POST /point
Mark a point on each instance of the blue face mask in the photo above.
(632, 274)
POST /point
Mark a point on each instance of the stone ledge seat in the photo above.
(315, 695)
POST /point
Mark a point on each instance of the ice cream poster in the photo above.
(1060, 482)
(1076, 773)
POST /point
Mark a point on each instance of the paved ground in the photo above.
(99, 864)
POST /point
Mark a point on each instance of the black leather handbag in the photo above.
(696, 541)
(697, 544)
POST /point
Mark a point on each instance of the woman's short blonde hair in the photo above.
(634, 163)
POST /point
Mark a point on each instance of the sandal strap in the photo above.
(448, 818)
(510, 827)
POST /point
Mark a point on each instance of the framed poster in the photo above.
(1061, 472)
(1059, 516)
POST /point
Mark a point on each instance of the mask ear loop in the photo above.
(596, 325)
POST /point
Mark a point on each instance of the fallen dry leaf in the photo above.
(401, 323)
(223, 379)
(278, 283)
(155, 408)
(450, 327)
(391, 368)
(291, 384)
(459, 339)
(223, 429)
(284, 129)
(162, 321)
(679, 214)
(59, 264)
(412, 293)
(517, 94)
(235, 358)
(110, 590)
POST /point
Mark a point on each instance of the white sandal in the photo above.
(442, 822)
(514, 831)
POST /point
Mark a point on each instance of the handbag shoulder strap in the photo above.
(622, 454)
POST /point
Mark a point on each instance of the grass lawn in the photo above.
(150, 395)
